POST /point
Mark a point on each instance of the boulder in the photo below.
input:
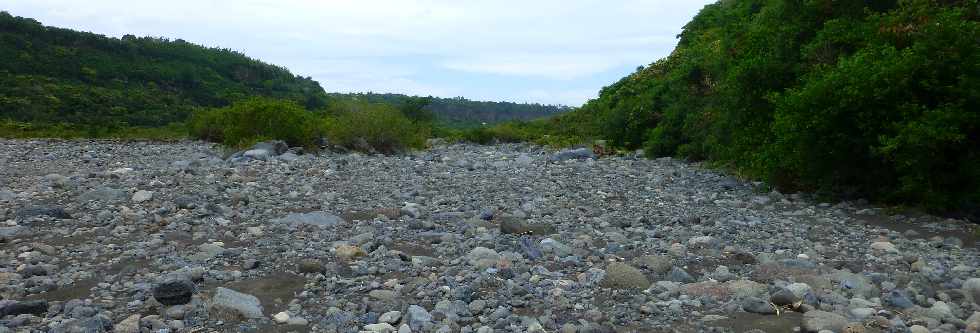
(815, 321)
(233, 304)
(623, 276)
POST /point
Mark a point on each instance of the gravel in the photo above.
(186, 237)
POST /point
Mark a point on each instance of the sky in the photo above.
(536, 51)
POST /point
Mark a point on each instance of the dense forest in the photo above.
(59, 75)
(877, 99)
(461, 112)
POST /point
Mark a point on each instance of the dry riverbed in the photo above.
(177, 237)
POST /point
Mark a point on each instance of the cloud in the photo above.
(502, 50)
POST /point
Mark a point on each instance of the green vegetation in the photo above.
(877, 99)
(354, 125)
(257, 119)
(376, 127)
(51, 76)
(460, 112)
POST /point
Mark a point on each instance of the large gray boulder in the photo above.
(233, 304)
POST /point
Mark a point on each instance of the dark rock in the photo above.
(174, 291)
(784, 297)
(757, 305)
(55, 212)
(37, 308)
(250, 264)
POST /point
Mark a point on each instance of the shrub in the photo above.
(257, 119)
(378, 127)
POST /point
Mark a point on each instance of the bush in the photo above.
(378, 127)
(247, 122)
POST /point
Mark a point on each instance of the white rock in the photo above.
(142, 196)
(380, 327)
(281, 317)
(884, 247)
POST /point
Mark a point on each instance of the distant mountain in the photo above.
(461, 112)
(54, 75)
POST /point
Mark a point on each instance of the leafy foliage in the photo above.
(376, 127)
(257, 119)
(817, 95)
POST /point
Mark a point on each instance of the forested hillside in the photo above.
(461, 112)
(53, 75)
(877, 99)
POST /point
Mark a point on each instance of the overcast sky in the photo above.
(547, 51)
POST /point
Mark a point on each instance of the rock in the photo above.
(592, 277)
(104, 194)
(862, 313)
(939, 311)
(622, 276)
(573, 154)
(11, 232)
(275, 147)
(417, 318)
(390, 317)
(281, 317)
(380, 327)
(742, 289)
(50, 211)
(972, 287)
(816, 321)
(884, 247)
(142, 196)
(316, 219)
(258, 154)
(516, 226)
(855, 328)
(383, 295)
(234, 304)
(412, 210)
(349, 252)
(756, 305)
(657, 264)
(129, 325)
(784, 297)
(482, 257)
(528, 248)
(897, 298)
(37, 308)
(250, 264)
(307, 266)
(186, 202)
(175, 290)
(678, 274)
(555, 247)
(918, 329)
